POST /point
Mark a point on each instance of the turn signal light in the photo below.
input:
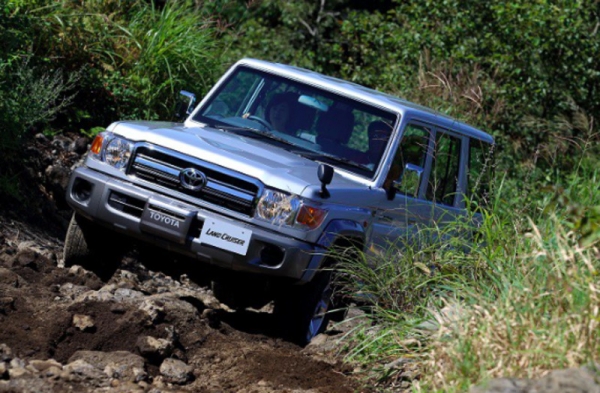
(311, 216)
(97, 144)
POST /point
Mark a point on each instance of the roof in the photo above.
(366, 94)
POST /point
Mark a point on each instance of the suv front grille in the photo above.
(225, 188)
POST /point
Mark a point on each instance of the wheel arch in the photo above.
(338, 233)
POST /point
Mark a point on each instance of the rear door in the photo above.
(445, 185)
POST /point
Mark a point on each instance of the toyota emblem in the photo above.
(192, 179)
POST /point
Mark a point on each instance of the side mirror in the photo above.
(325, 174)
(185, 104)
(409, 181)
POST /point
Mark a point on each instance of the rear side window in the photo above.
(480, 171)
(443, 180)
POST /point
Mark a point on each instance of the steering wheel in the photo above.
(262, 122)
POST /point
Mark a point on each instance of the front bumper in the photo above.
(123, 207)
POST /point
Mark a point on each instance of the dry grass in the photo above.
(545, 318)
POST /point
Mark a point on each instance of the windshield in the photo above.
(308, 121)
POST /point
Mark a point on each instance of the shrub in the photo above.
(133, 57)
(521, 303)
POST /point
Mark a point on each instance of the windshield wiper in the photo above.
(251, 133)
(259, 134)
(331, 159)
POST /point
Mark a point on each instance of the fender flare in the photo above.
(335, 230)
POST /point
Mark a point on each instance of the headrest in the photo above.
(335, 125)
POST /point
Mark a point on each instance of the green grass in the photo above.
(521, 303)
(136, 56)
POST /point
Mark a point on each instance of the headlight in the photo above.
(277, 207)
(117, 152)
(113, 150)
(284, 209)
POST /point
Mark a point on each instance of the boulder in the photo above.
(121, 365)
(176, 371)
(579, 380)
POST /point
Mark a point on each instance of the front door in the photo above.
(424, 180)
(402, 208)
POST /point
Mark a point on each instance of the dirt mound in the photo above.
(65, 329)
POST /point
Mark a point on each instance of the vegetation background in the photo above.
(526, 71)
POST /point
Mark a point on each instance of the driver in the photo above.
(279, 112)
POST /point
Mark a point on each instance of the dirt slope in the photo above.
(51, 312)
(65, 329)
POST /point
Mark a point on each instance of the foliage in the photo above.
(133, 56)
(520, 303)
(526, 62)
(30, 96)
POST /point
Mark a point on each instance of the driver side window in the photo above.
(411, 154)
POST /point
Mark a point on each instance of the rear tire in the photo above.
(92, 247)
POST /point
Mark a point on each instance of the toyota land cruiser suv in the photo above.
(273, 168)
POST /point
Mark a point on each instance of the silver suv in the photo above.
(276, 166)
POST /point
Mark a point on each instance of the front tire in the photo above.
(92, 247)
(302, 312)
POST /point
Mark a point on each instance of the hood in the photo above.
(273, 165)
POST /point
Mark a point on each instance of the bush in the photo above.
(527, 63)
(521, 303)
(133, 56)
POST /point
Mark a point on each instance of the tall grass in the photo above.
(168, 49)
(523, 301)
(135, 55)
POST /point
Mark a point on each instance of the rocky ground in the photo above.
(65, 329)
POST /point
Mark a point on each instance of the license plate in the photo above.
(226, 236)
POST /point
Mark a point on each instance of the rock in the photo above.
(53, 371)
(17, 363)
(61, 142)
(127, 295)
(71, 290)
(127, 279)
(176, 371)
(80, 369)
(58, 177)
(80, 145)
(121, 365)
(584, 380)
(39, 137)
(581, 380)
(25, 258)
(9, 278)
(42, 365)
(6, 354)
(17, 372)
(16, 368)
(319, 340)
(83, 322)
(3, 370)
(76, 270)
(7, 303)
(153, 309)
(154, 348)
